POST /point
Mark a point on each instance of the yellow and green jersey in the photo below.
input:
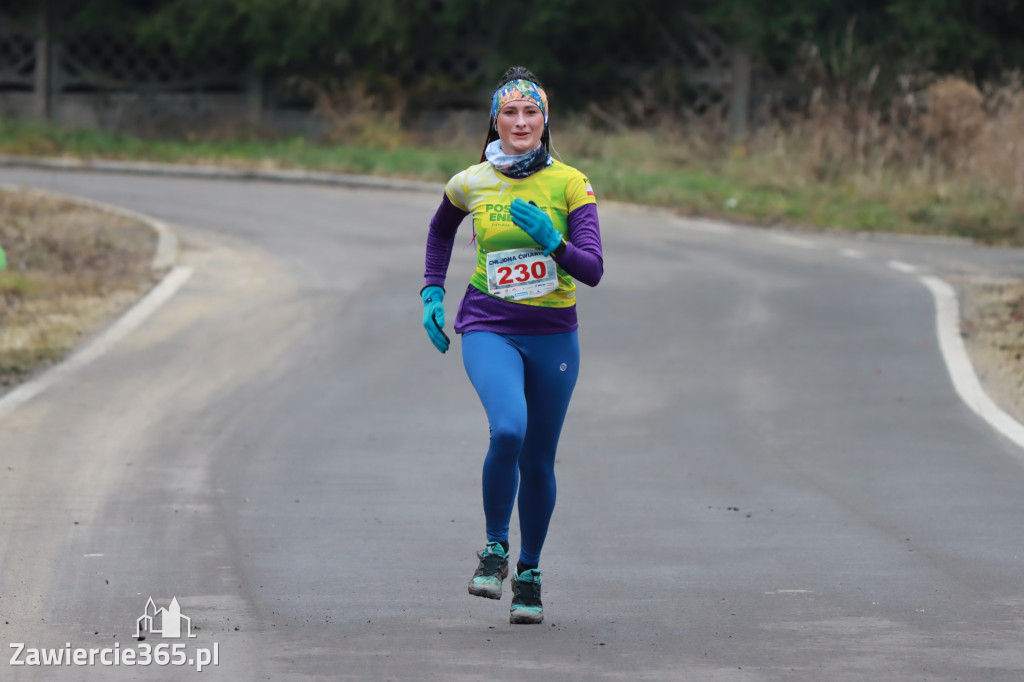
(558, 189)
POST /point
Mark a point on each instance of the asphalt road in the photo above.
(765, 473)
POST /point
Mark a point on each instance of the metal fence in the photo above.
(98, 80)
(107, 81)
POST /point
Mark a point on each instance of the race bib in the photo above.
(520, 273)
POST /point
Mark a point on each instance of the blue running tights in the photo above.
(524, 382)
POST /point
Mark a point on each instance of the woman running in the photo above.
(536, 230)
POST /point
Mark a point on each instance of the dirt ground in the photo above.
(70, 271)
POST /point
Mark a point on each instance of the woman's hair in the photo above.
(515, 73)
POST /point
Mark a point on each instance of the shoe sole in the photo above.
(486, 591)
(480, 591)
(526, 618)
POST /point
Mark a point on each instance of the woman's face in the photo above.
(520, 126)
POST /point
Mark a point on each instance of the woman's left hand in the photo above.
(536, 223)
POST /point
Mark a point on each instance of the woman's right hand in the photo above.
(433, 316)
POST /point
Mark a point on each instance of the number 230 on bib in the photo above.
(520, 273)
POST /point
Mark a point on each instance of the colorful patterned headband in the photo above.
(519, 90)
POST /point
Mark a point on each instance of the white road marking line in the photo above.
(790, 592)
(124, 325)
(965, 381)
(852, 253)
(793, 241)
(902, 267)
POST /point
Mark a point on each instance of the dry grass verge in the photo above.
(70, 270)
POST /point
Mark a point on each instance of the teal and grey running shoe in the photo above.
(492, 570)
(526, 605)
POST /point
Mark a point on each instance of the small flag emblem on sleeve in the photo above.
(590, 191)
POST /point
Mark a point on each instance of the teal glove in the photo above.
(536, 223)
(433, 316)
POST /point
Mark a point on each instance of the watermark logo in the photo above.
(164, 622)
(168, 622)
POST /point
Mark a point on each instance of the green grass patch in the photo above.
(36, 139)
(15, 284)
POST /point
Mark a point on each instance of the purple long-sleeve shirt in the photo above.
(582, 259)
